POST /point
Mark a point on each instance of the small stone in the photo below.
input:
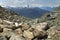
(16, 24)
(49, 37)
(7, 22)
(25, 26)
(21, 23)
(7, 30)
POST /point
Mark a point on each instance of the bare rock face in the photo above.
(22, 31)
(16, 24)
(28, 35)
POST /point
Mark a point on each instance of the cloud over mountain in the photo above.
(19, 3)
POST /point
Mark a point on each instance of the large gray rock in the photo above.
(53, 34)
(28, 35)
(7, 32)
(38, 33)
(41, 26)
(18, 31)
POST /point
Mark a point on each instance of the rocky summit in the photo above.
(15, 27)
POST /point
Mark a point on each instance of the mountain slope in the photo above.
(30, 12)
(49, 29)
(11, 16)
(12, 28)
(53, 20)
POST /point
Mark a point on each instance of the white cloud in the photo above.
(36, 5)
(33, 3)
(12, 3)
(2, 4)
(16, 3)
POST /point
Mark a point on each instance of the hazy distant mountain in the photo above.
(29, 12)
(48, 8)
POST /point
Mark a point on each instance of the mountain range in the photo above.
(47, 8)
(34, 12)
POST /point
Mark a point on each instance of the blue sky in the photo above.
(37, 3)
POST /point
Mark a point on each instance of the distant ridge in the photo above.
(29, 12)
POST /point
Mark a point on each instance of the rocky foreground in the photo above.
(15, 27)
(22, 31)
